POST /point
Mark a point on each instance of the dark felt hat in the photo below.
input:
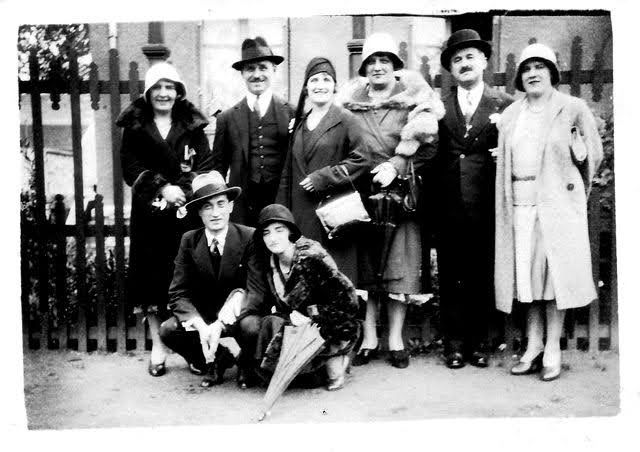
(256, 50)
(318, 65)
(207, 186)
(278, 213)
(462, 39)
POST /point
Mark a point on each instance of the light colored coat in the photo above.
(563, 185)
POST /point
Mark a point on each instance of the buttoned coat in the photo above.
(195, 290)
(231, 147)
(563, 186)
(335, 143)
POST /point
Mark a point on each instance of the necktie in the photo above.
(256, 107)
(468, 108)
(215, 256)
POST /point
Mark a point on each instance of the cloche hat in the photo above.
(254, 50)
(208, 185)
(163, 71)
(462, 39)
(278, 213)
(539, 52)
(380, 43)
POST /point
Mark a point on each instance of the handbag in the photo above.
(578, 148)
(411, 187)
(339, 213)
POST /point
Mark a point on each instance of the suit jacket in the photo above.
(195, 289)
(231, 146)
(466, 167)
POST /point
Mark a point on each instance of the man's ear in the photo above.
(230, 206)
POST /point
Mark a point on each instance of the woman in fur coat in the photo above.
(399, 117)
(305, 286)
(163, 147)
(548, 152)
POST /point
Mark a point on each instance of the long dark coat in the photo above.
(563, 187)
(231, 147)
(465, 212)
(195, 289)
(149, 162)
(336, 142)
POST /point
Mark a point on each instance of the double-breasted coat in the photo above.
(563, 185)
(463, 191)
(149, 162)
(334, 144)
(231, 147)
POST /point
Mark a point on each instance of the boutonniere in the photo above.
(293, 120)
(495, 118)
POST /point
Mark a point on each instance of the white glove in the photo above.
(385, 173)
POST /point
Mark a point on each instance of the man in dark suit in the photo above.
(206, 292)
(251, 137)
(465, 199)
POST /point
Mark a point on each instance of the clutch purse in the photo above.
(578, 148)
(341, 212)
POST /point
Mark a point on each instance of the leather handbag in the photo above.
(340, 213)
(411, 187)
(578, 148)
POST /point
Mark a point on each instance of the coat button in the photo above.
(462, 156)
(569, 187)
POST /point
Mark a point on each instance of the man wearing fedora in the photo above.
(208, 281)
(251, 139)
(465, 198)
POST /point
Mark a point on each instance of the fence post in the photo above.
(40, 204)
(613, 321)
(598, 77)
(510, 74)
(76, 142)
(101, 310)
(60, 265)
(594, 218)
(576, 65)
(25, 283)
(118, 199)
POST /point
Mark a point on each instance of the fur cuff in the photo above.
(147, 185)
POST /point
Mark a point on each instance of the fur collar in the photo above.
(411, 89)
(139, 112)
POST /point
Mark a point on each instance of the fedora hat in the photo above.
(278, 213)
(539, 52)
(207, 185)
(256, 50)
(462, 39)
(380, 43)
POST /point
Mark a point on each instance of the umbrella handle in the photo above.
(263, 415)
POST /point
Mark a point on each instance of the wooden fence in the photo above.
(82, 306)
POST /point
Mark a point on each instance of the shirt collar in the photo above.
(220, 236)
(264, 100)
(476, 92)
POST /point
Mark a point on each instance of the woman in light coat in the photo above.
(548, 152)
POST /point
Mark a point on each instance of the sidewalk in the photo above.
(74, 390)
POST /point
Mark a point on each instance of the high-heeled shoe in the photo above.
(528, 367)
(337, 382)
(365, 355)
(157, 370)
(550, 373)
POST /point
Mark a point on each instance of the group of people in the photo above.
(504, 191)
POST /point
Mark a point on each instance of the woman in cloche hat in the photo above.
(548, 152)
(163, 147)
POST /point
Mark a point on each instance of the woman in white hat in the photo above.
(548, 152)
(163, 147)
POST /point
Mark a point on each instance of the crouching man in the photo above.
(206, 292)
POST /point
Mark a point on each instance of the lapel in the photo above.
(330, 120)
(241, 120)
(480, 118)
(453, 118)
(552, 111)
(282, 115)
(202, 258)
(166, 152)
(231, 255)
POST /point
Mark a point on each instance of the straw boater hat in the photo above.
(380, 43)
(463, 39)
(163, 71)
(539, 52)
(208, 185)
(254, 50)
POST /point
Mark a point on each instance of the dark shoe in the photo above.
(454, 360)
(157, 370)
(246, 378)
(399, 358)
(479, 359)
(528, 367)
(213, 376)
(550, 373)
(365, 355)
(196, 370)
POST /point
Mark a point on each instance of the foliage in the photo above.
(51, 43)
(605, 176)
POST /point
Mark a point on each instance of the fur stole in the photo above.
(423, 103)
